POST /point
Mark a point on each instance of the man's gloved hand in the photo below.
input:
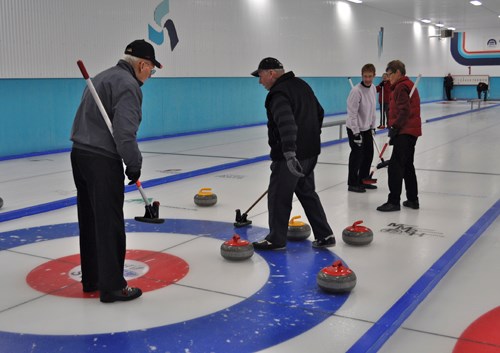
(381, 84)
(392, 133)
(293, 164)
(358, 139)
(133, 174)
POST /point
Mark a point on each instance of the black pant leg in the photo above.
(402, 154)
(87, 240)
(355, 159)
(366, 155)
(309, 199)
(100, 184)
(282, 184)
(410, 177)
(448, 93)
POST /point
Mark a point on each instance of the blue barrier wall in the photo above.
(36, 114)
(470, 92)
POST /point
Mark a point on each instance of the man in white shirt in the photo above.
(361, 121)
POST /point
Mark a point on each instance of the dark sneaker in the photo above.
(89, 287)
(388, 207)
(356, 188)
(120, 295)
(267, 245)
(369, 186)
(328, 242)
(411, 204)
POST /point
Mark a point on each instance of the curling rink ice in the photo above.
(429, 281)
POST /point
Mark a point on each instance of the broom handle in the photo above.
(260, 198)
(97, 100)
(105, 116)
(415, 85)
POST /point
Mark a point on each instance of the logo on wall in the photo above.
(158, 36)
(471, 57)
(491, 43)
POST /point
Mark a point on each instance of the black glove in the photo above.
(133, 174)
(392, 133)
(383, 164)
(381, 84)
(358, 139)
(293, 164)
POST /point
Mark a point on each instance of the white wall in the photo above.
(218, 38)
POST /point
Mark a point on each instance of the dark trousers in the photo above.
(448, 93)
(384, 109)
(360, 158)
(401, 168)
(479, 93)
(282, 186)
(99, 183)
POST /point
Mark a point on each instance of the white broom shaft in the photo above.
(415, 85)
(143, 194)
(97, 100)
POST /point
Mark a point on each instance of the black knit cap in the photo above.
(142, 49)
(268, 64)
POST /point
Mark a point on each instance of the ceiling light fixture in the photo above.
(424, 20)
(439, 25)
(356, 1)
(476, 3)
(452, 28)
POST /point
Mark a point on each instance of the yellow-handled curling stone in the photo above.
(205, 197)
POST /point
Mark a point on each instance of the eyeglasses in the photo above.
(153, 71)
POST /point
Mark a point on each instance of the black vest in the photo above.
(308, 115)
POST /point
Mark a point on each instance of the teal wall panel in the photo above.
(36, 114)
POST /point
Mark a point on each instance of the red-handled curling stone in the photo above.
(357, 234)
(205, 197)
(336, 278)
(236, 249)
(298, 230)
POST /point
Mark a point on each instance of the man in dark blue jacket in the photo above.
(97, 159)
(294, 127)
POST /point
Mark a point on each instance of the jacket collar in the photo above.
(401, 80)
(127, 67)
(286, 76)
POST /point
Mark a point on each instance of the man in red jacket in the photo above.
(405, 127)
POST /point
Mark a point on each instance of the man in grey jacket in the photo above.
(97, 159)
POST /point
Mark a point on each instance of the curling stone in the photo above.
(357, 234)
(298, 230)
(1, 202)
(336, 278)
(205, 197)
(236, 249)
